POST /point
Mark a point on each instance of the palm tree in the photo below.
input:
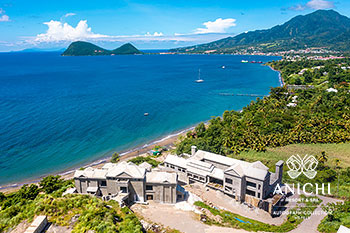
(337, 166)
(323, 158)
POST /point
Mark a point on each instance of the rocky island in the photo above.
(82, 48)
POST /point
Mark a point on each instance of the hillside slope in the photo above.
(322, 28)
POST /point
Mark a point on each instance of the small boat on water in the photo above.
(223, 67)
(244, 61)
(199, 80)
(146, 114)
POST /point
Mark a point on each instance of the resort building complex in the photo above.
(127, 182)
(251, 183)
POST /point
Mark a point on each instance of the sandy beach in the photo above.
(139, 151)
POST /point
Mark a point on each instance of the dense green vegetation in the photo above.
(338, 214)
(319, 117)
(269, 130)
(115, 158)
(322, 28)
(81, 212)
(81, 48)
(296, 215)
(140, 159)
(314, 72)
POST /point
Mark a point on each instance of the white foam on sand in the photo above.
(188, 205)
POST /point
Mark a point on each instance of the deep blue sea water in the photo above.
(60, 112)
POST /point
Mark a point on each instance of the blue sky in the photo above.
(147, 24)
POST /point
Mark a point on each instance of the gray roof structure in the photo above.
(161, 177)
(126, 168)
(196, 164)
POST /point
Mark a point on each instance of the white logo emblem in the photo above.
(298, 165)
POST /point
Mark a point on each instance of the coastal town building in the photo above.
(129, 183)
(251, 183)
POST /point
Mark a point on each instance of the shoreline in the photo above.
(279, 75)
(141, 150)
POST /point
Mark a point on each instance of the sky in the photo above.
(151, 24)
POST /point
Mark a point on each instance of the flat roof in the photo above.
(161, 177)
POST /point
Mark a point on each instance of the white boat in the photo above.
(223, 67)
(199, 80)
(244, 61)
(146, 114)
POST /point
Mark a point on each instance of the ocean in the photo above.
(61, 112)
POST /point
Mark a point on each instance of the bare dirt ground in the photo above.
(184, 221)
(188, 221)
(223, 201)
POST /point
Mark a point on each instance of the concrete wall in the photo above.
(192, 177)
(237, 189)
(164, 193)
(258, 189)
(137, 189)
(175, 168)
(82, 184)
(38, 225)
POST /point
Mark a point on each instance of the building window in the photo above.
(258, 195)
(228, 188)
(229, 181)
(172, 166)
(103, 183)
(196, 177)
(249, 192)
(259, 186)
(149, 187)
(251, 184)
(124, 189)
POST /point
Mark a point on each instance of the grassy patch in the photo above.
(140, 159)
(272, 155)
(339, 214)
(294, 218)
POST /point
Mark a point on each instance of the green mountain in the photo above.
(81, 48)
(322, 28)
(126, 49)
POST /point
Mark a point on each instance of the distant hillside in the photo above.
(81, 48)
(322, 28)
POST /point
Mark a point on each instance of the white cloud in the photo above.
(314, 4)
(320, 4)
(59, 31)
(218, 26)
(298, 7)
(69, 14)
(154, 34)
(3, 17)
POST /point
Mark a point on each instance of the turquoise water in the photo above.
(60, 112)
